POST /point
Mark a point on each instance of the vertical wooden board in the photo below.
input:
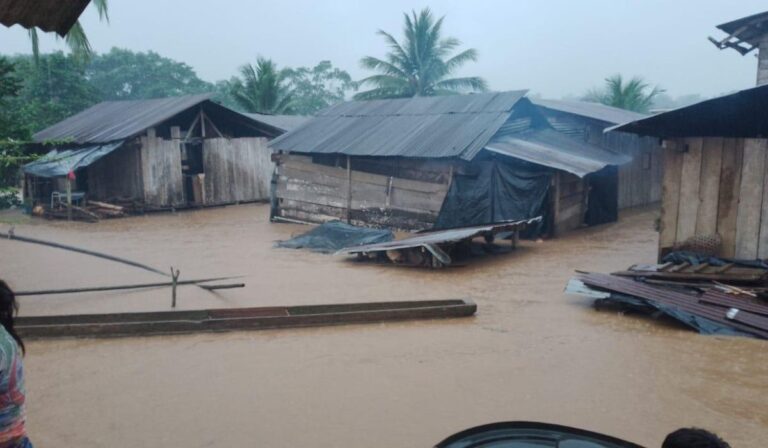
(728, 203)
(762, 247)
(709, 188)
(750, 199)
(689, 190)
(670, 194)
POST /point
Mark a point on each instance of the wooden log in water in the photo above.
(234, 319)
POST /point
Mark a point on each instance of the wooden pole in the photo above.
(69, 199)
(349, 189)
(175, 277)
(133, 286)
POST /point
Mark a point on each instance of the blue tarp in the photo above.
(335, 235)
(59, 163)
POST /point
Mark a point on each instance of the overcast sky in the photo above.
(552, 47)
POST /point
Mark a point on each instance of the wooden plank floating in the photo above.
(234, 319)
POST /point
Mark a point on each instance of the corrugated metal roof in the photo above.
(748, 29)
(60, 163)
(434, 127)
(282, 122)
(118, 120)
(553, 149)
(595, 111)
(48, 15)
(741, 115)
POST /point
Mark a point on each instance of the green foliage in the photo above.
(262, 89)
(54, 88)
(126, 75)
(635, 94)
(318, 87)
(9, 197)
(421, 64)
(11, 84)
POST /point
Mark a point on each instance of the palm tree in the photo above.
(262, 89)
(76, 39)
(421, 65)
(632, 95)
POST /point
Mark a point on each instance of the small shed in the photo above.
(639, 181)
(746, 35)
(158, 153)
(440, 162)
(715, 172)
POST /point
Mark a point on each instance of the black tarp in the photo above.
(497, 191)
(696, 259)
(603, 197)
(336, 235)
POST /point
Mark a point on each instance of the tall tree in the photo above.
(317, 87)
(262, 88)
(76, 39)
(126, 75)
(421, 65)
(635, 94)
(11, 124)
(54, 88)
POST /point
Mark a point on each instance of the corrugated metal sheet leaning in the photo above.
(550, 148)
(587, 109)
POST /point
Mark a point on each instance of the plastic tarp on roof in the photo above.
(550, 148)
(60, 163)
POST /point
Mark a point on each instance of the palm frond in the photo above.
(471, 83)
(35, 39)
(78, 42)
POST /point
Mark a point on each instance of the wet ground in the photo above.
(531, 353)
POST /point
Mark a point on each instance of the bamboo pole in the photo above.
(69, 199)
(132, 286)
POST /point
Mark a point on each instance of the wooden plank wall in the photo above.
(639, 180)
(716, 186)
(571, 204)
(317, 193)
(236, 170)
(117, 175)
(161, 171)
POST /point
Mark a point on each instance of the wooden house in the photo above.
(639, 182)
(158, 153)
(440, 162)
(715, 172)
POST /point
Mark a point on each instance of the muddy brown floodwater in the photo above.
(531, 353)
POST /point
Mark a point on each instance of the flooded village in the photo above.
(394, 267)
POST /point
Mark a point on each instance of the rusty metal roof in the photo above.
(587, 109)
(738, 115)
(430, 127)
(48, 15)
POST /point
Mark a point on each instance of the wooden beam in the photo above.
(349, 187)
(192, 127)
(206, 117)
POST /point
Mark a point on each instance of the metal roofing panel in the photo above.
(739, 115)
(282, 122)
(118, 120)
(596, 111)
(48, 15)
(550, 148)
(60, 163)
(748, 29)
(440, 236)
(445, 126)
